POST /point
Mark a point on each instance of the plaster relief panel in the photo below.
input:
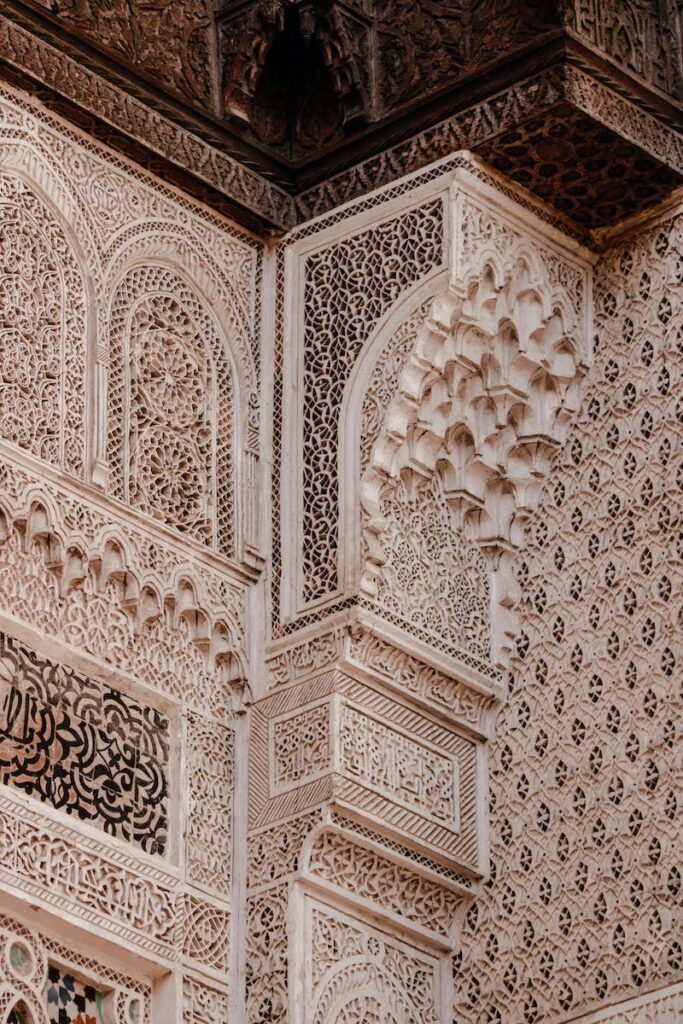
(584, 774)
(357, 864)
(384, 762)
(83, 747)
(43, 338)
(334, 301)
(170, 398)
(394, 765)
(434, 583)
(211, 778)
(301, 747)
(202, 1003)
(356, 974)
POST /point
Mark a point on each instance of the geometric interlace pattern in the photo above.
(582, 903)
(42, 331)
(434, 583)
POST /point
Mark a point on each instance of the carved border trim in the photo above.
(234, 181)
(106, 101)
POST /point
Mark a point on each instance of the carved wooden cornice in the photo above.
(248, 33)
(391, 95)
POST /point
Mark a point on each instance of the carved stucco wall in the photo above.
(336, 884)
(583, 906)
(537, 955)
(128, 455)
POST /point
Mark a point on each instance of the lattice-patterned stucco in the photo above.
(582, 905)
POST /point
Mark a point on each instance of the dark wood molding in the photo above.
(212, 160)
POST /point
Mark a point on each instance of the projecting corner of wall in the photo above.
(434, 342)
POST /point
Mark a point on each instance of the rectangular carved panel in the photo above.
(338, 741)
(389, 762)
(83, 747)
(210, 748)
(301, 747)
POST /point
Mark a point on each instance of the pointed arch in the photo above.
(366, 396)
(48, 302)
(173, 430)
(20, 1013)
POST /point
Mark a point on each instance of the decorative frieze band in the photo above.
(364, 644)
(64, 871)
(340, 742)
